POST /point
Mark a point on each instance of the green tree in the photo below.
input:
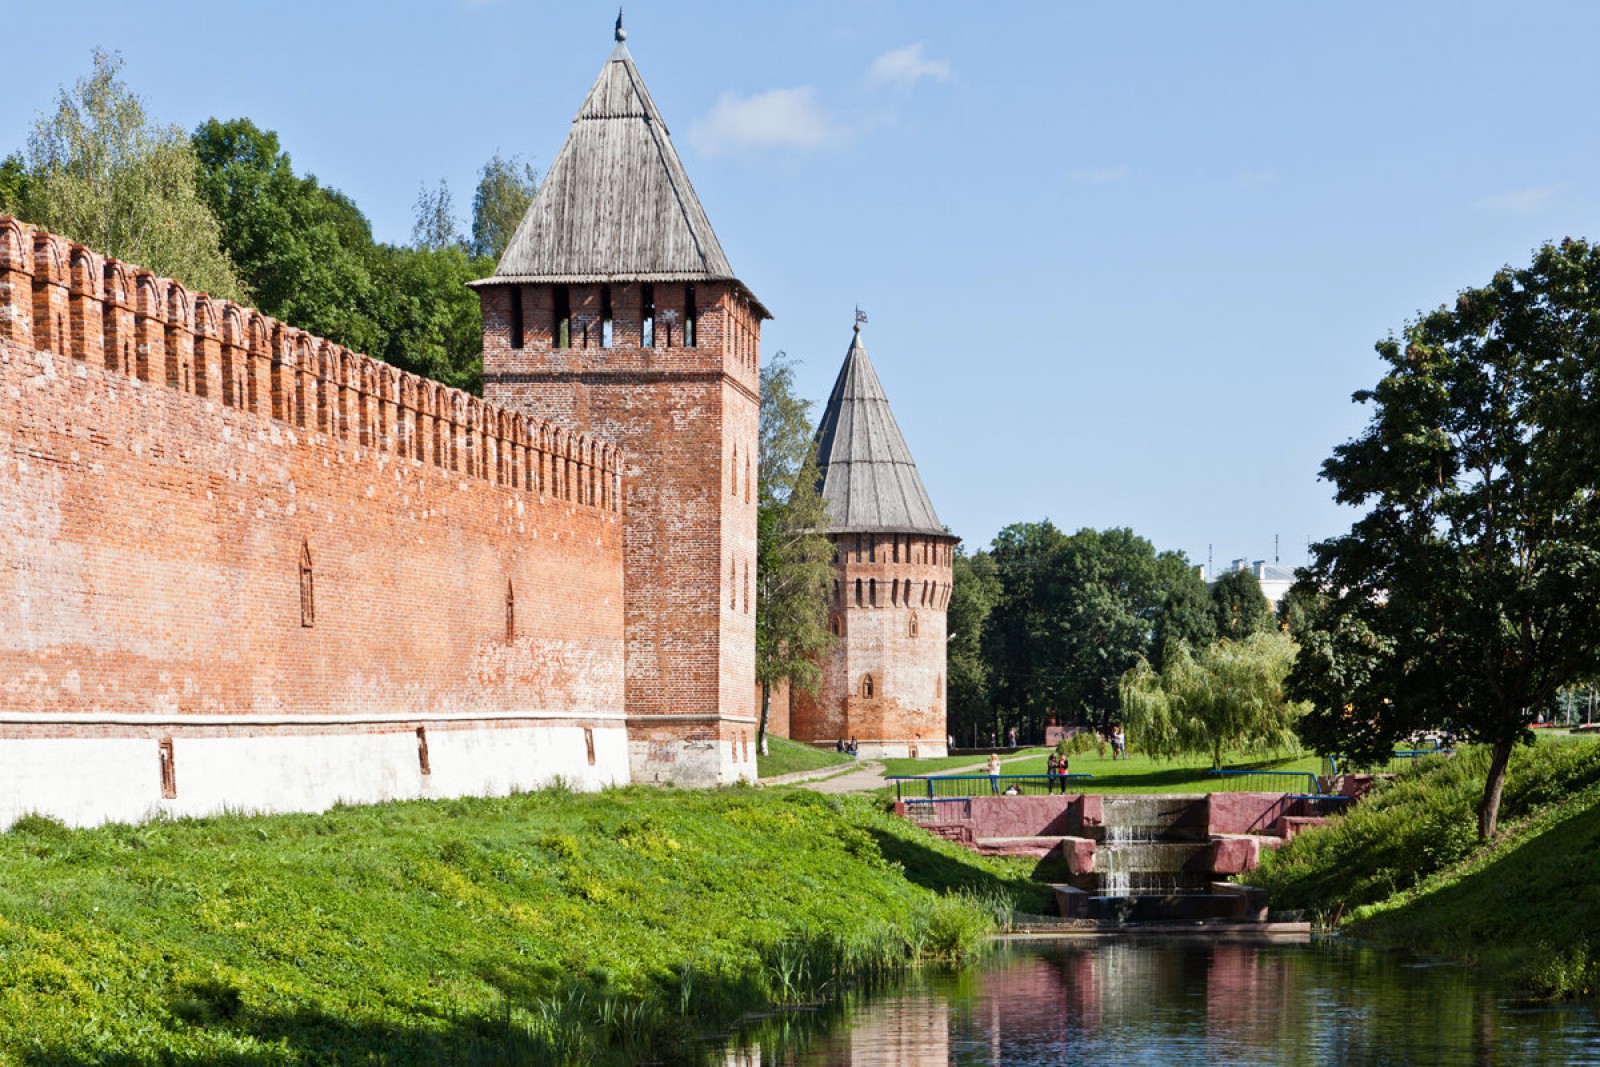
(304, 252)
(13, 184)
(1075, 613)
(435, 227)
(431, 323)
(101, 172)
(1468, 594)
(1238, 606)
(975, 589)
(1229, 696)
(505, 189)
(794, 558)
(1186, 618)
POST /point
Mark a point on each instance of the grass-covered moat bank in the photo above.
(547, 927)
(1405, 867)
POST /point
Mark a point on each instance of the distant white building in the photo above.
(1275, 578)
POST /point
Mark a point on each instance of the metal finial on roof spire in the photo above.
(622, 34)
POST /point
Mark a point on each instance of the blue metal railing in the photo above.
(1399, 761)
(1311, 787)
(956, 786)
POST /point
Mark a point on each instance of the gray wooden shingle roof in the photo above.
(616, 205)
(869, 480)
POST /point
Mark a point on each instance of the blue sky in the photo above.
(1124, 263)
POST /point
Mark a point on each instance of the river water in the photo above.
(1188, 1003)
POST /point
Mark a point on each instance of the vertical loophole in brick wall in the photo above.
(866, 686)
(561, 318)
(690, 333)
(588, 743)
(308, 592)
(607, 330)
(516, 316)
(511, 613)
(422, 750)
(169, 771)
(647, 316)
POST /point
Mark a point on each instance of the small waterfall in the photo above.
(1122, 845)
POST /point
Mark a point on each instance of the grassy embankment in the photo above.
(787, 757)
(540, 928)
(1405, 867)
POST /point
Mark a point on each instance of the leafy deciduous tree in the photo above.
(505, 188)
(1074, 614)
(1469, 594)
(975, 589)
(794, 558)
(1239, 607)
(101, 172)
(436, 227)
(304, 251)
(1229, 696)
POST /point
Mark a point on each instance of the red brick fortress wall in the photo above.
(241, 567)
(884, 683)
(685, 417)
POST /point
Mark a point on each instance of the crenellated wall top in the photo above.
(61, 297)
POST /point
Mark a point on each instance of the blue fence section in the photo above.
(955, 786)
(1251, 781)
(1401, 760)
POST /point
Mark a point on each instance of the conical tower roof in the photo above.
(616, 205)
(869, 480)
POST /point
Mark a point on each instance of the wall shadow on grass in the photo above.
(309, 1036)
(932, 869)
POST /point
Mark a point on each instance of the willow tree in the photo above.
(1468, 595)
(794, 558)
(1227, 697)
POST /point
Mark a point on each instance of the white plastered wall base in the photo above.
(87, 781)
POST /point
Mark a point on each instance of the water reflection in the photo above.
(1192, 1003)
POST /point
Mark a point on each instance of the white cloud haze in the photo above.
(1522, 201)
(777, 118)
(904, 67)
(1102, 175)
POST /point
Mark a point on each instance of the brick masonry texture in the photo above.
(884, 682)
(215, 526)
(685, 418)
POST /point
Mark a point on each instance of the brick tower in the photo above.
(614, 312)
(884, 682)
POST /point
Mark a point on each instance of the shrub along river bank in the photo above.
(1405, 867)
(544, 927)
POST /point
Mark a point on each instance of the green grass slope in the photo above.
(787, 757)
(1405, 867)
(546, 927)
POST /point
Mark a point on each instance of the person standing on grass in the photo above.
(1051, 770)
(992, 769)
(1119, 743)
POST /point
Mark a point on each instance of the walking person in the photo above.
(992, 769)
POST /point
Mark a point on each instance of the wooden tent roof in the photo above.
(869, 480)
(616, 205)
